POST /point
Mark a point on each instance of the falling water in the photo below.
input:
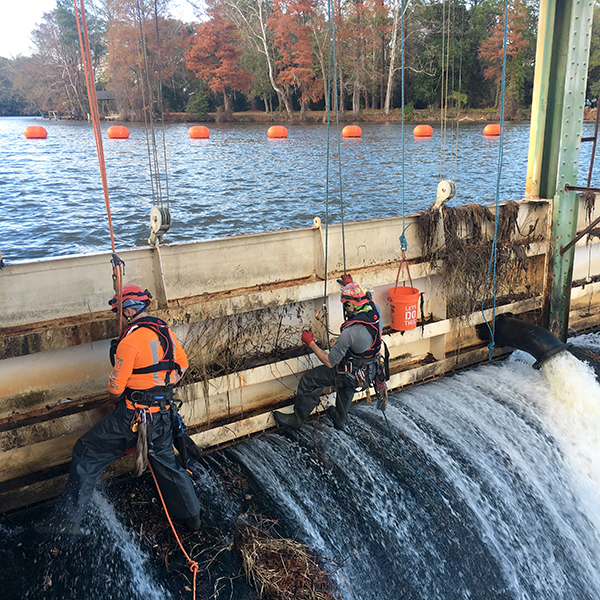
(479, 485)
(468, 494)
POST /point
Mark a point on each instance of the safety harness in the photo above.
(361, 369)
(370, 319)
(157, 398)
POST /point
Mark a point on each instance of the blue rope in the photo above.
(403, 161)
(328, 91)
(493, 257)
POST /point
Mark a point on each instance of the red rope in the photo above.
(90, 82)
(86, 56)
(193, 565)
(402, 262)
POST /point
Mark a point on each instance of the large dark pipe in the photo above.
(513, 332)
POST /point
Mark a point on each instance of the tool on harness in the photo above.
(141, 424)
(322, 313)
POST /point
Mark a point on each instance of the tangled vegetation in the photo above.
(241, 341)
(279, 568)
(458, 242)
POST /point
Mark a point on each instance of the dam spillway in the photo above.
(472, 487)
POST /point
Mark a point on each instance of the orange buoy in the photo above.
(199, 132)
(118, 132)
(35, 132)
(492, 130)
(423, 131)
(351, 131)
(277, 131)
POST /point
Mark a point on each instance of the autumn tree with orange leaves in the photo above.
(290, 24)
(213, 54)
(492, 51)
(134, 81)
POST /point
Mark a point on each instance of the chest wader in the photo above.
(144, 418)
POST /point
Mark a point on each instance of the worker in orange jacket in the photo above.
(147, 362)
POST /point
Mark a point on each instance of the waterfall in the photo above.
(471, 493)
(478, 485)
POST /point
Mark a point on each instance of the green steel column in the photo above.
(555, 139)
(539, 102)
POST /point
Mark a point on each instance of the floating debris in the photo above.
(279, 568)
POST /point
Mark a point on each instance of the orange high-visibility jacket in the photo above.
(138, 349)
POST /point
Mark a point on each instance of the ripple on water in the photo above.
(287, 178)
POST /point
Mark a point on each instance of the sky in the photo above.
(19, 18)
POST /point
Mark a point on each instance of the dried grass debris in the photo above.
(280, 568)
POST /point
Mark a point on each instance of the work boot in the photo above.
(193, 523)
(337, 416)
(294, 420)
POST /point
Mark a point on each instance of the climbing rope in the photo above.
(455, 136)
(444, 94)
(332, 86)
(491, 272)
(403, 243)
(192, 564)
(160, 216)
(118, 266)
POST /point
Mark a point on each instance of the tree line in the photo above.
(275, 55)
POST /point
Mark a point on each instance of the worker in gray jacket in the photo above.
(350, 365)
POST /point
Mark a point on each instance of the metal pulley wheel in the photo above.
(446, 189)
(160, 223)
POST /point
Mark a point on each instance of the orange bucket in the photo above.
(403, 302)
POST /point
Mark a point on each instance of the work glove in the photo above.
(307, 337)
(113, 351)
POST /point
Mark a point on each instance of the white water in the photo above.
(140, 580)
(573, 413)
(525, 516)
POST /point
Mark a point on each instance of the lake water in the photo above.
(238, 181)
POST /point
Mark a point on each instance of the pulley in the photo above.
(160, 223)
(446, 189)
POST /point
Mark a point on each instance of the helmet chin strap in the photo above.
(132, 317)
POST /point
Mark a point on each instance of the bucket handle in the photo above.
(403, 261)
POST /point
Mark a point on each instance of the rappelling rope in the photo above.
(444, 88)
(160, 101)
(86, 58)
(332, 75)
(455, 150)
(192, 564)
(148, 108)
(493, 257)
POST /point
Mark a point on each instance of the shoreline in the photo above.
(429, 115)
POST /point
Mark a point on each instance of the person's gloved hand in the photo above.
(113, 351)
(307, 337)
(345, 279)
